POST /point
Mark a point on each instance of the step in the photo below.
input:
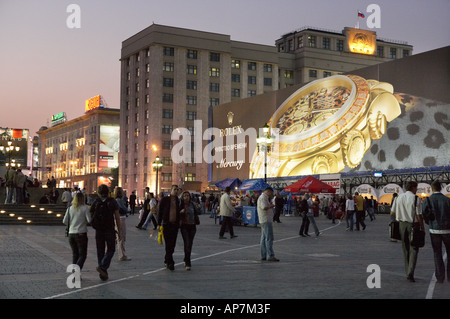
(39, 214)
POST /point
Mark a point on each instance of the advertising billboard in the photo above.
(109, 147)
(381, 118)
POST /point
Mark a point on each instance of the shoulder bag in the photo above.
(417, 236)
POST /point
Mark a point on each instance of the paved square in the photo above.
(334, 265)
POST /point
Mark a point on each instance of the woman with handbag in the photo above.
(189, 219)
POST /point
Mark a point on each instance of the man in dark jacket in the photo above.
(169, 219)
(436, 211)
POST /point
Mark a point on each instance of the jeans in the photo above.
(348, 218)
(79, 245)
(312, 221)
(267, 240)
(106, 246)
(305, 225)
(436, 243)
(188, 234)
(10, 195)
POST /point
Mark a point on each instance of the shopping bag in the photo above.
(160, 235)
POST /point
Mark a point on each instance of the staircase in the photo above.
(32, 214)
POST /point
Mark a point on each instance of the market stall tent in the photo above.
(366, 190)
(309, 184)
(386, 192)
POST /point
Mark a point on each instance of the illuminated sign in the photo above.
(93, 103)
(361, 41)
(59, 118)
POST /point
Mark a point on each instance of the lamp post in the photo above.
(265, 141)
(157, 164)
(8, 150)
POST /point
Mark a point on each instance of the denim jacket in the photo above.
(438, 204)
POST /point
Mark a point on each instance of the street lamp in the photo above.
(265, 141)
(8, 150)
(157, 164)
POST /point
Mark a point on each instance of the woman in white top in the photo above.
(76, 218)
(349, 210)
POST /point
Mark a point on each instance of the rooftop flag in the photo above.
(361, 15)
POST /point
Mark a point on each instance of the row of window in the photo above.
(311, 41)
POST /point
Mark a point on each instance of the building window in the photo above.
(168, 66)
(167, 97)
(192, 69)
(311, 41)
(189, 177)
(251, 93)
(326, 43)
(146, 130)
(235, 64)
(167, 129)
(147, 98)
(147, 83)
(191, 115)
(128, 76)
(167, 161)
(137, 87)
(214, 57)
(340, 45)
(166, 177)
(326, 74)
(167, 114)
(191, 100)
(252, 66)
(405, 53)
(393, 53)
(167, 145)
(300, 42)
(168, 51)
(380, 51)
(313, 73)
(213, 102)
(191, 85)
(191, 54)
(267, 67)
(288, 74)
(236, 78)
(268, 81)
(235, 92)
(251, 79)
(137, 72)
(147, 115)
(214, 72)
(214, 87)
(147, 67)
(137, 102)
(168, 82)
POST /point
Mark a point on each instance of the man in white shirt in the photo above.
(265, 216)
(226, 211)
(408, 210)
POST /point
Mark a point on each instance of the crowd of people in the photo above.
(179, 212)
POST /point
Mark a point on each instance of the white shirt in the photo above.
(349, 204)
(403, 207)
(264, 215)
(226, 207)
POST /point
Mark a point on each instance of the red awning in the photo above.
(309, 185)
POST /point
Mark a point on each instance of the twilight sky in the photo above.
(47, 68)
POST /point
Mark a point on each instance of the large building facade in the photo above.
(171, 77)
(82, 152)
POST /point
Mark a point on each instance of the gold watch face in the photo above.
(309, 110)
(316, 113)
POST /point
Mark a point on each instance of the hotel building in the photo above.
(171, 77)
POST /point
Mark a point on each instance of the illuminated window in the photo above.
(189, 177)
(235, 64)
(311, 41)
(214, 72)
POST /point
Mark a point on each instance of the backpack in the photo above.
(102, 215)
